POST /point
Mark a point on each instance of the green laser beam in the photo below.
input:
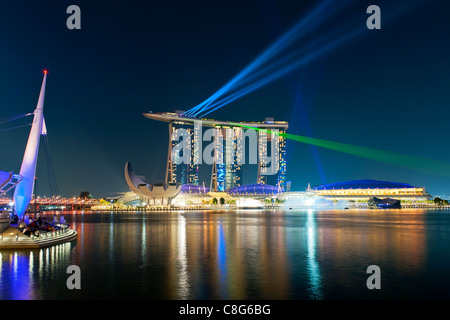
(416, 163)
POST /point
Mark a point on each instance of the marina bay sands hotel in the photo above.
(264, 138)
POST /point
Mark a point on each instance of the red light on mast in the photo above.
(45, 71)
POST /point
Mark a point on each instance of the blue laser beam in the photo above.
(283, 71)
(285, 65)
(212, 103)
(318, 16)
(279, 45)
(296, 55)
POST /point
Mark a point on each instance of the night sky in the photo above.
(387, 89)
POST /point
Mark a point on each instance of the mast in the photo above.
(24, 190)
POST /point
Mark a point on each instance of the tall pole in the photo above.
(24, 190)
(35, 200)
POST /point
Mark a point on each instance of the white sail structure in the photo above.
(24, 190)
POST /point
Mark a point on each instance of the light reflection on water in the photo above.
(313, 265)
(239, 255)
(22, 272)
(183, 275)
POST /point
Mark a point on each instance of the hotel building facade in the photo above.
(229, 151)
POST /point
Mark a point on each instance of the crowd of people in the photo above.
(37, 225)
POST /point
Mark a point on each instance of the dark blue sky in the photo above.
(386, 89)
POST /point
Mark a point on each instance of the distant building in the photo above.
(265, 141)
(254, 190)
(183, 173)
(363, 190)
(151, 193)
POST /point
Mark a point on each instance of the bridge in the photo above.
(53, 203)
(23, 183)
(8, 180)
(19, 234)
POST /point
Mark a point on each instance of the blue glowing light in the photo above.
(317, 16)
(254, 76)
(220, 177)
(222, 259)
(281, 72)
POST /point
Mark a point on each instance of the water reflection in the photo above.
(222, 261)
(236, 256)
(183, 275)
(303, 254)
(313, 265)
(23, 273)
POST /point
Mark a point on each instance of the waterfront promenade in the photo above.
(42, 204)
(13, 238)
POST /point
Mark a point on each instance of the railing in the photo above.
(60, 231)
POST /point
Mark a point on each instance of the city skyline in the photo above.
(386, 89)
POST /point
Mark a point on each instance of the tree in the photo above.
(214, 201)
(85, 195)
(222, 201)
(438, 200)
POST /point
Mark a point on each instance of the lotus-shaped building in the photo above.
(153, 193)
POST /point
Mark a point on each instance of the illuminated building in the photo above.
(254, 190)
(228, 160)
(363, 190)
(192, 195)
(152, 193)
(227, 173)
(266, 146)
(184, 173)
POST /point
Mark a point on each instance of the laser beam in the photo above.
(282, 72)
(321, 14)
(421, 164)
(318, 16)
